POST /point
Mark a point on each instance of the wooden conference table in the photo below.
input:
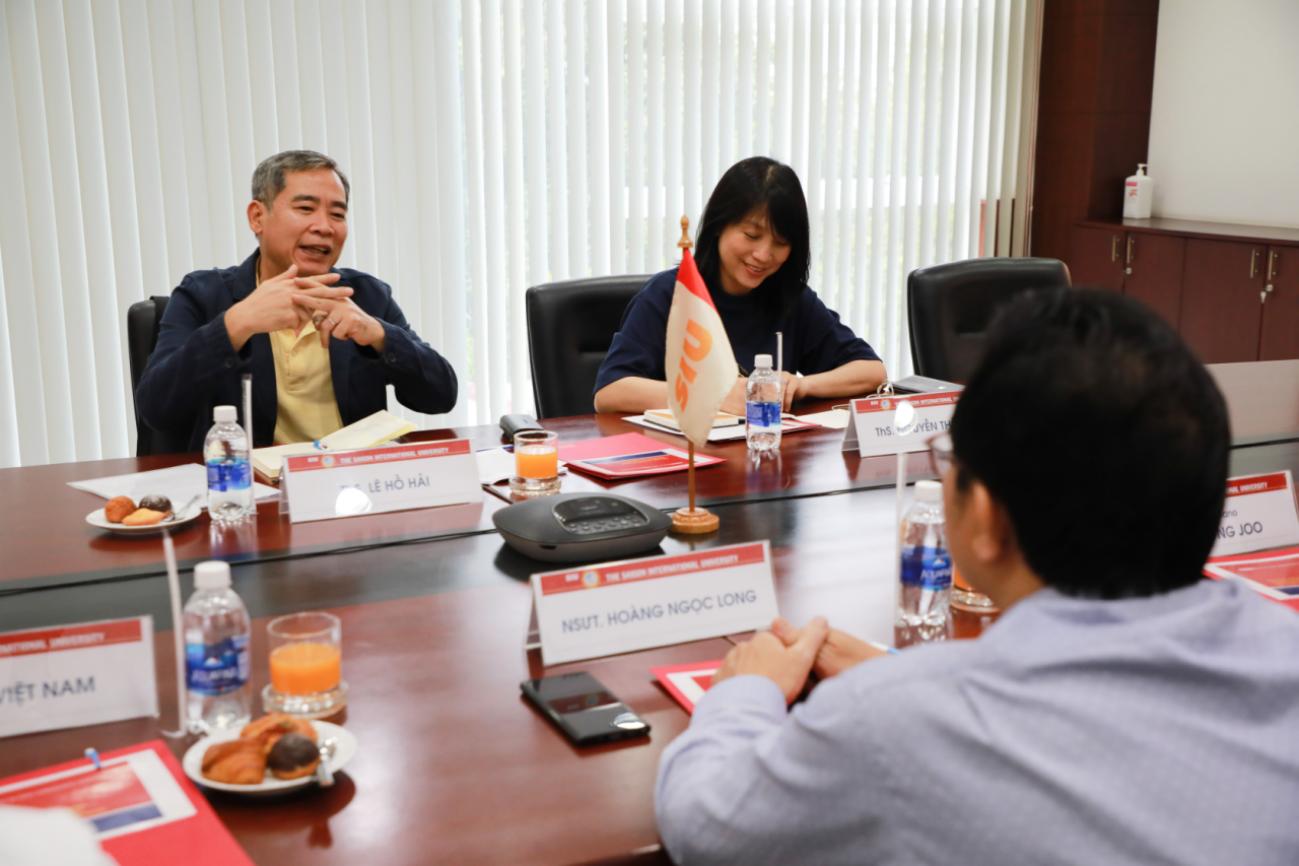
(453, 766)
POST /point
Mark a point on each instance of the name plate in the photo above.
(374, 480)
(617, 607)
(73, 675)
(870, 431)
(1259, 513)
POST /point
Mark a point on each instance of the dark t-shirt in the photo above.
(815, 339)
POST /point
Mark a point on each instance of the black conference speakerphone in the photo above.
(581, 527)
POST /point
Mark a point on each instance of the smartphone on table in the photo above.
(584, 709)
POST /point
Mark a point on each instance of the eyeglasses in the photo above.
(940, 453)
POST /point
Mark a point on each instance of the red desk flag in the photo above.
(700, 366)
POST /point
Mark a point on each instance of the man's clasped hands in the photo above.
(287, 300)
(787, 655)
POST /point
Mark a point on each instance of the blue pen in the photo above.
(92, 755)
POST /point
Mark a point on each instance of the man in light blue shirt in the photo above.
(1121, 711)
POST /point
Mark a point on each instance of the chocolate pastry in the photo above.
(156, 503)
(117, 508)
(292, 757)
(235, 762)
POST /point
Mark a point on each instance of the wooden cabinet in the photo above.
(1146, 266)
(1240, 301)
(1231, 291)
(1096, 263)
(1221, 310)
(1280, 337)
(1152, 272)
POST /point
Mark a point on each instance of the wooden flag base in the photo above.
(694, 521)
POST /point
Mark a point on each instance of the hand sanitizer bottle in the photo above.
(1138, 194)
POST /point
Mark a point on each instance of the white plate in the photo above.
(97, 519)
(343, 752)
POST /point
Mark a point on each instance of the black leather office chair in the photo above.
(570, 326)
(142, 319)
(949, 308)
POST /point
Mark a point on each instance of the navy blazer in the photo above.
(815, 339)
(194, 366)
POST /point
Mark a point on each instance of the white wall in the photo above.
(1224, 123)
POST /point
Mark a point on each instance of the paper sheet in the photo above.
(180, 484)
(788, 424)
(835, 419)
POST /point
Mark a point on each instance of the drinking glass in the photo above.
(536, 463)
(968, 598)
(306, 658)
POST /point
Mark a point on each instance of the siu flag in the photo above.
(700, 367)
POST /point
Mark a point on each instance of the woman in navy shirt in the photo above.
(753, 251)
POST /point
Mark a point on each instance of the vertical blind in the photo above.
(492, 145)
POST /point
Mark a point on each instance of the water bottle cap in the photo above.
(213, 574)
(929, 491)
(760, 361)
(224, 414)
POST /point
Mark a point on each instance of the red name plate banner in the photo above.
(19, 643)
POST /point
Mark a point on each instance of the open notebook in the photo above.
(665, 418)
(376, 429)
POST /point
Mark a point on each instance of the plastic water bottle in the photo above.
(926, 565)
(762, 404)
(216, 652)
(229, 472)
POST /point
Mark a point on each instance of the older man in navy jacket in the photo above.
(321, 342)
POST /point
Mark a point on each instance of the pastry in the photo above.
(293, 756)
(235, 762)
(157, 503)
(269, 728)
(117, 508)
(144, 517)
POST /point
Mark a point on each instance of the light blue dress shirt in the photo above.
(1161, 730)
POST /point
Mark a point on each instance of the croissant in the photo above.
(235, 762)
(269, 728)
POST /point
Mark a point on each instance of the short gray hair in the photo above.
(268, 177)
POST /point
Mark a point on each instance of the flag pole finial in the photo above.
(684, 243)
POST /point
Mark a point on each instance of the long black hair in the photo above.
(759, 183)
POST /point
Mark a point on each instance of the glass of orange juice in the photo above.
(536, 463)
(306, 660)
(966, 597)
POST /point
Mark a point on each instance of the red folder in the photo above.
(197, 840)
(1273, 573)
(686, 683)
(629, 455)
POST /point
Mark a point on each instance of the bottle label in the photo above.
(224, 475)
(762, 414)
(926, 567)
(217, 668)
